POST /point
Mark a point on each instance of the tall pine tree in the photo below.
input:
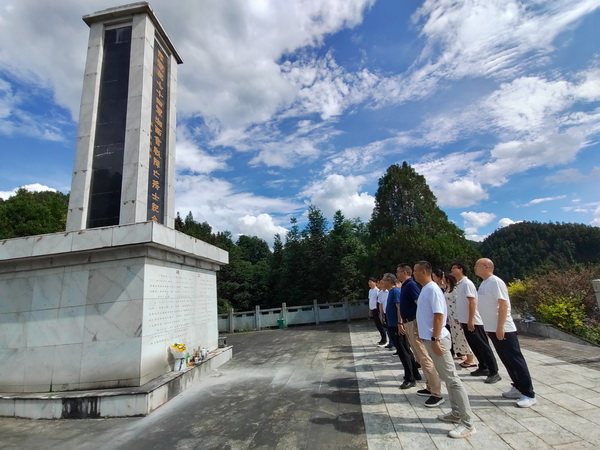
(407, 225)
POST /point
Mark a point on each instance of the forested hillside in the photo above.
(526, 248)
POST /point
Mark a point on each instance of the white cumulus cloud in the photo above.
(338, 192)
(261, 226)
(35, 187)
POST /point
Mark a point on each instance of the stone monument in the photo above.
(99, 305)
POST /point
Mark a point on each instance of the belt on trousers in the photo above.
(408, 319)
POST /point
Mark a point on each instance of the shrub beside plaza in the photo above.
(563, 298)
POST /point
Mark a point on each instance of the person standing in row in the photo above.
(431, 318)
(381, 305)
(447, 282)
(392, 314)
(494, 306)
(374, 310)
(470, 320)
(409, 294)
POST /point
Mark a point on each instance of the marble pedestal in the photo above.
(98, 308)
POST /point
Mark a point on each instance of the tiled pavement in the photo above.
(331, 387)
(567, 415)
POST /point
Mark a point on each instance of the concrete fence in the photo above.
(293, 315)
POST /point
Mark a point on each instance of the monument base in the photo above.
(119, 402)
(99, 308)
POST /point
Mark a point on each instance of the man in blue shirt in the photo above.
(411, 371)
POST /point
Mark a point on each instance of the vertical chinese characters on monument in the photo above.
(158, 137)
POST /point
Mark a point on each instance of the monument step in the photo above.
(116, 402)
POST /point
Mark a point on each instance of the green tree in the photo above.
(30, 213)
(189, 226)
(345, 252)
(315, 275)
(407, 225)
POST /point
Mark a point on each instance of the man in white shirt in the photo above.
(431, 318)
(470, 321)
(494, 306)
(382, 296)
(374, 310)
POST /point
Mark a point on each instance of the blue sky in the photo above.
(283, 104)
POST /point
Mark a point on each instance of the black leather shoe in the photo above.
(408, 384)
(382, 343)
(480, 372)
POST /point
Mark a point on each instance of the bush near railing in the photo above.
(293, 315)
(565, 299)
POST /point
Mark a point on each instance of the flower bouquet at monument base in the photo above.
(179, 353)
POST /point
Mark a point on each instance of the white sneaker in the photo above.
(513, 393)
(462, 432)
(526, 402)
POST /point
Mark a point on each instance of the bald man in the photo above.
(494, 307)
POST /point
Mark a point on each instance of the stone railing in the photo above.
(292, 315)
(596, 284)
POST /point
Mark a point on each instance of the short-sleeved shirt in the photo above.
(409, 293)
(373, 298)
(465, 288)
(391, 310)
(490, 291)
(382, 296)
(431, 301)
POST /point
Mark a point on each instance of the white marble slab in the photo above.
(16, 248)
(16, 294)
(75, 286)
(52, 243)
(13, 329)
(47, 290)
(92, 239)
(121, 282)
(109, 321)
(132, 234)
(108, 361)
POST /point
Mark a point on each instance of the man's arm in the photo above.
(472, 308)
(438, 324)
(400, 326)
(502, 312)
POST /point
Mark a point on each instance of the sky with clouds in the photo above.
(283, 104)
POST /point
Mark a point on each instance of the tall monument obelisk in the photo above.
(100, 305)
(125, 158)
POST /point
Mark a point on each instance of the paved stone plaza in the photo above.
(329, 387)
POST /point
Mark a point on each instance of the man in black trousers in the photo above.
(392, 315)
(374, 310)
(472, 325)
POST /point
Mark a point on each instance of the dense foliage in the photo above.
(564, 298)
(315, 263)
(331, 261)
(526, 248)
(30, 213)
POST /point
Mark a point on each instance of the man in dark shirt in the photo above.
(411, 371)
(408, 326)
